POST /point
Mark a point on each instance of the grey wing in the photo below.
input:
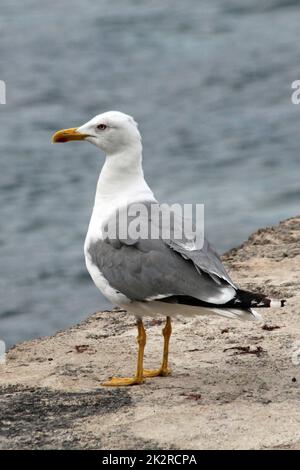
(205, 259)
(148, 269)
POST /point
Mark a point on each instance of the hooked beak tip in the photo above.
(66, 135)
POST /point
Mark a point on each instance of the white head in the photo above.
(122, 174)
(113, 132)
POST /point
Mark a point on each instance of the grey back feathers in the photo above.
(148, 269)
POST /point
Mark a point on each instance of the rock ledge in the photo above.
(234, 385)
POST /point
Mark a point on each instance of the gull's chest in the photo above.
(112, 294)
(100, 215)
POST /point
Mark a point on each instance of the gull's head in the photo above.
(112, 132)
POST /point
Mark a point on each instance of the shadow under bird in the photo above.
(149, 276)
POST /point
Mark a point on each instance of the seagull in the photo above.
(159, 276)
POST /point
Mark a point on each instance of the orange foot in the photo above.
(162, 372)
(123, 382)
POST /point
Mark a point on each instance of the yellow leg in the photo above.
(138, 379)
(163, 370)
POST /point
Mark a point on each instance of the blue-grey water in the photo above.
(209, 83)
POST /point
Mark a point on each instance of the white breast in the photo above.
(115, 297)
(103, 209)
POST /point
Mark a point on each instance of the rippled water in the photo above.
(209, 82)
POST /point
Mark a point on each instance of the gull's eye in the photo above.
(101, 127)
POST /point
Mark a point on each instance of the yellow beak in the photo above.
(65, 135)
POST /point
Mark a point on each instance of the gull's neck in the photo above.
(122, 176)
(121, 182)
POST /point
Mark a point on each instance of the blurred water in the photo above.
(209, 82)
